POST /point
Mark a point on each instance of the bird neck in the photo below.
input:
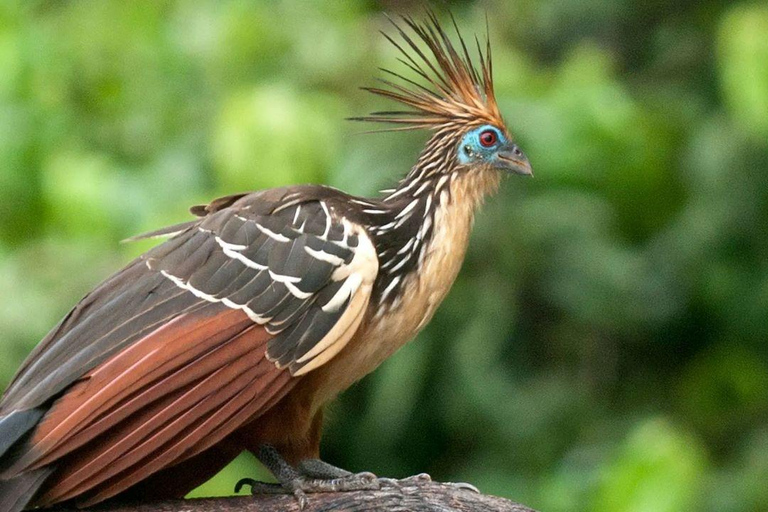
(436, 163)
(437, 190)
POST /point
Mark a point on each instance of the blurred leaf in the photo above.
(659, 468)
(740, 486)
(743, 65)
(81, 191)
(273, 136)
(724, 390)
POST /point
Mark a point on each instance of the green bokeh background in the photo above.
(605, 346)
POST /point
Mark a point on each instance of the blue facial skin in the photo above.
(472, 152)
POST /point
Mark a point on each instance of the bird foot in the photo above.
(423, 478)
(410, 481)
(314, 476)
(302, 485)
(309, 476)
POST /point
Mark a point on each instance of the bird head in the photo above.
(490, 146)
(453, 97)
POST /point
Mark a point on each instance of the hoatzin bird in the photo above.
(233, 333)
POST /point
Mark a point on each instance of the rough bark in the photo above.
(424, 497)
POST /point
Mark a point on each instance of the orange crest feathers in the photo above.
(457, 92)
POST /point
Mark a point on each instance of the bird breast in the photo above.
(386, 330)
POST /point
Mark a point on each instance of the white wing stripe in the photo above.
(272, 234)
(296, 292)
(210, 298)
(226, 245)
(324, 236)
(296, 215)
(324, 256)
(284, 279)
(349, 287)
(242, 259)
(360, 274)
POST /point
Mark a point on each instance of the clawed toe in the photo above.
(418, 479)
(465, 486)
(365, 476)
(260, 487)
(413, 480)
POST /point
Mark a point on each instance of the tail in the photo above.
(18, 490)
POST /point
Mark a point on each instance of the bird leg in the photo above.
(309, 476)
(316, 468)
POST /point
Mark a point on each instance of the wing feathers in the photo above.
(174, 383)
(130, 371)
(259, 395)
(145, 425)
(15, 425)
(144, 434)
(86, 343)
(299, 268)
(335, 340)
(186, 344)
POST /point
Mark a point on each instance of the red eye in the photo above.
(488, 138)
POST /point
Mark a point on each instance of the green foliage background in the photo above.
(604, 348)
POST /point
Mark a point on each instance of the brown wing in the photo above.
(158, 367)
(166, 398)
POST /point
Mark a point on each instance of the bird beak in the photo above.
(514, 160)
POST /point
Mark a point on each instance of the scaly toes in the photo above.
(316, 468)
(354, 482)
(416, 480)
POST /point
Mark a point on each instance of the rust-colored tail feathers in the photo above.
(199, 374)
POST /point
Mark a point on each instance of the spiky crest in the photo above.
(456, 91)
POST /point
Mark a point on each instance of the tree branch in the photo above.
(422, 497)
